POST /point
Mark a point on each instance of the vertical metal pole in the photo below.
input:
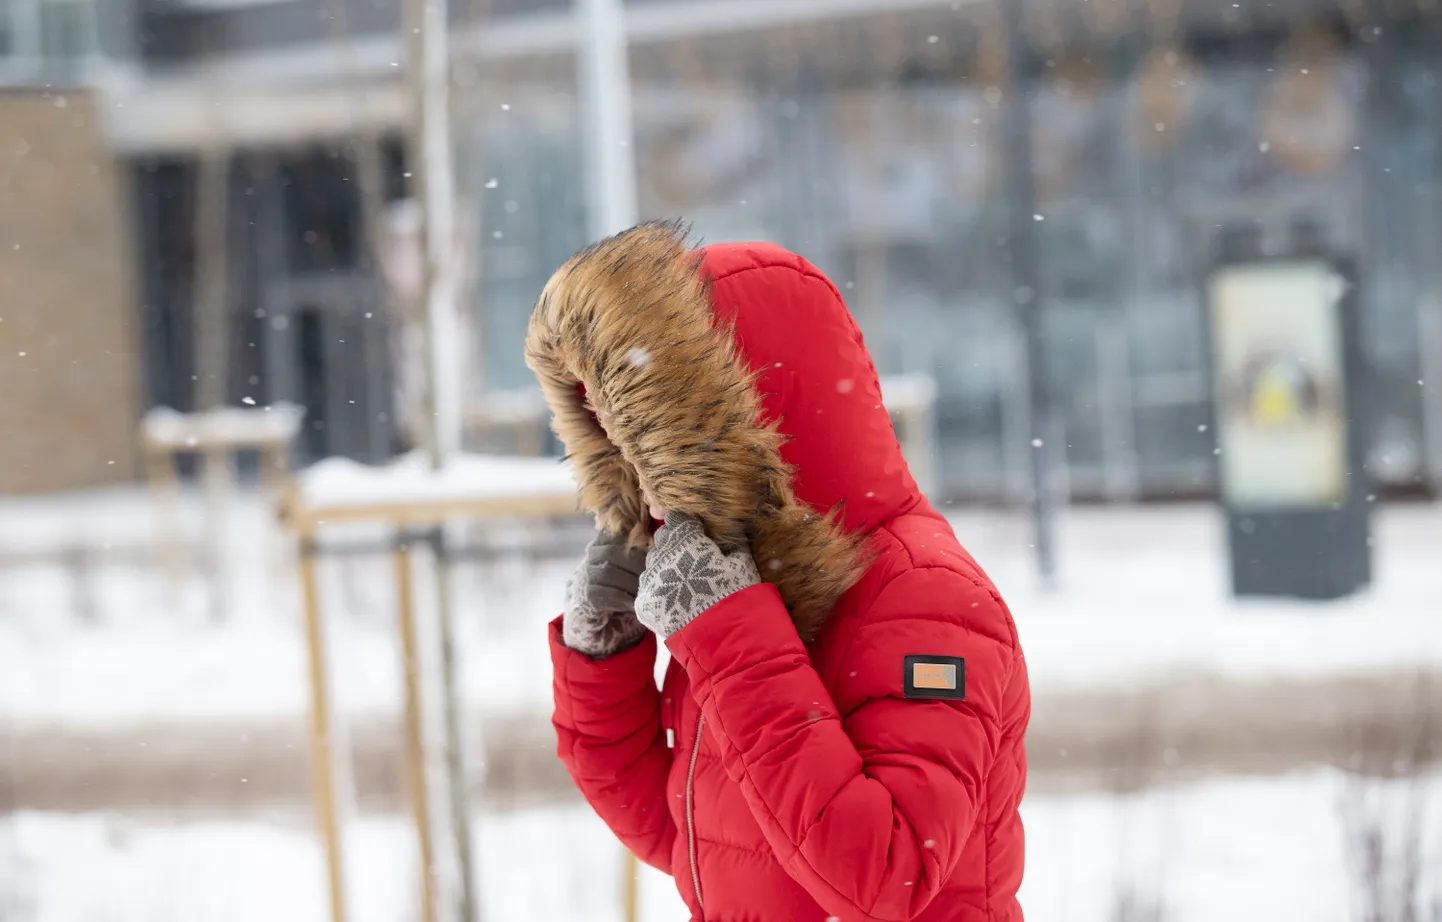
(1115, 410)
(1429, 340)
(415, 751)
(322, 731)
(274, 466)
(605, 94)
(218, 475)
(165, 491)
(1010, 363)
(430, 159)
(211, 288)
(470, 909)
(1026, 287)
(212, 354)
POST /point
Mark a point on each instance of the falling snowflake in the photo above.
(492, 183)
(248, 401)
(845, 385)
(638, 358)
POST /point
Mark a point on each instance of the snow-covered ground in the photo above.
(1234, 849)
(1143, 596)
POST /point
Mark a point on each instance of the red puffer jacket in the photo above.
(845, 740)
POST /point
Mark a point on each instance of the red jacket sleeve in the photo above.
(608, 721)
(869, 811)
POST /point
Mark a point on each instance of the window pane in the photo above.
(65, 29)
(7, 28)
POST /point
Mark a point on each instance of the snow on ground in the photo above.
(339, 483)
(1143, 596)
(1239, 849)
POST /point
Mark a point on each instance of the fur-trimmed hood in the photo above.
(730, 383)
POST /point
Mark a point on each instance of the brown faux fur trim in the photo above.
(679, 415)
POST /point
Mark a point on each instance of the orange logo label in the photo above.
(934, 675)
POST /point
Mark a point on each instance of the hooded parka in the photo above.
(845, 740)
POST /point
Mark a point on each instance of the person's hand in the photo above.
(686, 573)
(600, 617)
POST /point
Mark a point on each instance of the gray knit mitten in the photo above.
(686, 573)
(600, 618)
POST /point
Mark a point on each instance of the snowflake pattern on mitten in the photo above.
(686, 573)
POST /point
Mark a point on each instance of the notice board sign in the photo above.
(1279, 374)
(1288, 376)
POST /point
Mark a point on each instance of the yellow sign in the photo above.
(1277, 352)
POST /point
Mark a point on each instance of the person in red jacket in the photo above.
(839, 734)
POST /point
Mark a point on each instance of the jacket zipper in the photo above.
(690, 823)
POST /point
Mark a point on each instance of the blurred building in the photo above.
(863, 133)
(70, 356)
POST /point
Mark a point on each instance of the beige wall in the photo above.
(70, 366)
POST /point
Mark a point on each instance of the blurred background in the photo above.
(1154, 287)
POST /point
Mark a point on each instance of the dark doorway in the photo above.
(311, 380)
(327, 352)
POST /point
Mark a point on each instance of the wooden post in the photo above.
(322, 731)
(630, 888)
(306, 517)
(531, 440)
(415, 751)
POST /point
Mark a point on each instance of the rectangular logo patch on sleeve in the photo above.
(942, 677)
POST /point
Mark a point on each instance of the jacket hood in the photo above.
(730, 383)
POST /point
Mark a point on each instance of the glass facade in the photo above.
(1148, 154)
(46, 39)
(9, 40)
(873, 147)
